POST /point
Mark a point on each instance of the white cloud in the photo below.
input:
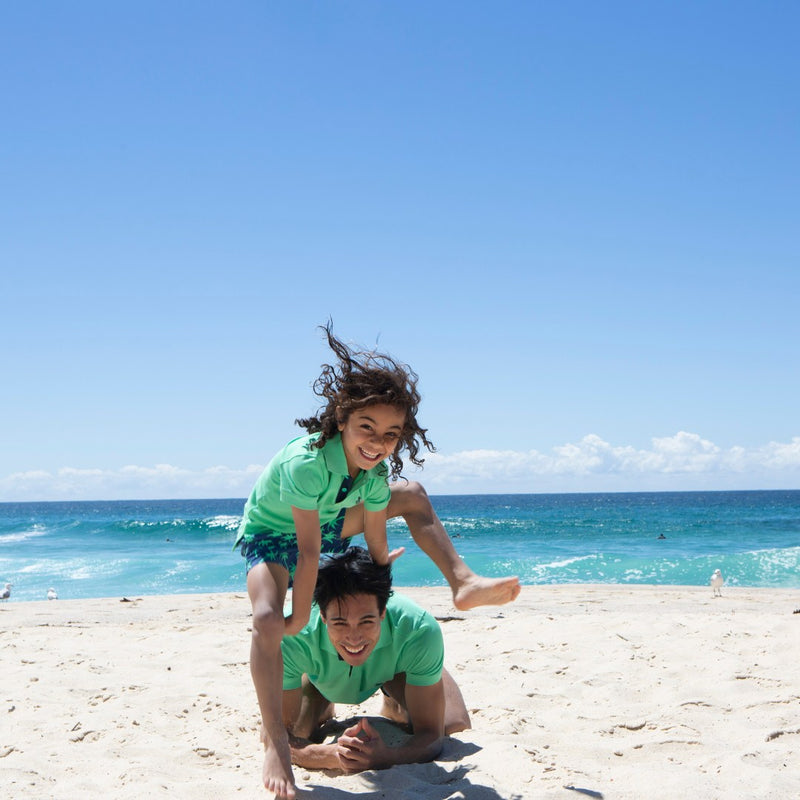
(683, 462)
(161, 482)
(778, 455)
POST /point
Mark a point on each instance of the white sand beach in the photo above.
(574, 691)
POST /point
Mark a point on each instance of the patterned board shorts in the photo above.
(281, 548)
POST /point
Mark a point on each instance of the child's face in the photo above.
(371, 435)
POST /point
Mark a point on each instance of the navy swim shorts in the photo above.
(270, 547)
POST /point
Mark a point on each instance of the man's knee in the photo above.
(456, 716)
(457, 723)
(314, 710)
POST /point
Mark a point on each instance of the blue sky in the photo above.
(577, 221)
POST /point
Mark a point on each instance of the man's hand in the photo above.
(395, 554)
(361, 747)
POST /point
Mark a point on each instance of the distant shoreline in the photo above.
(440, 594)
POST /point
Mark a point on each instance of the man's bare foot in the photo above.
(480, 591)
(277, 772)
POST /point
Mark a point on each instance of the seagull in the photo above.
(52, 594)
(6, 593)
(716, 582)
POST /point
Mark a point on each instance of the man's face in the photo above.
(354, 626)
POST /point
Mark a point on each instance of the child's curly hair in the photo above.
(363, 379)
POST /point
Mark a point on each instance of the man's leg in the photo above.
(456, 716)
(305, 710)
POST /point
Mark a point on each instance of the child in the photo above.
(320, 490)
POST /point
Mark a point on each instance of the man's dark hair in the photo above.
(349, 573)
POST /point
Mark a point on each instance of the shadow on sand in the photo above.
(431, 781)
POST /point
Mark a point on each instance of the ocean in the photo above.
(134, 548)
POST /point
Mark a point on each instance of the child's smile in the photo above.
(370, 435)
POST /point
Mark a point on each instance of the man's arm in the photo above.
(361, 746)
(314, 756)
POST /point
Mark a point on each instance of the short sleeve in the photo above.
(294, 662)
(302, 481)
(422, 656)
(378, 494)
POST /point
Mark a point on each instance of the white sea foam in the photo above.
(633, 575)
(566, 562)
(35, 568)
(180, 568)
(94, 570)
(546, 571)
(776, 562)
(77, 569)
(227, 521)
(22, 536)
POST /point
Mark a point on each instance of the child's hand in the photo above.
(395, 554)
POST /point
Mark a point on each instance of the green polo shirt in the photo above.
(309, 478)
(410, 641)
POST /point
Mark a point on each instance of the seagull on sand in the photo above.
(52, 594)
(6, 593)
(716, 582)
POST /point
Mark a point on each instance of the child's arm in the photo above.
(375, 536)
(309, 540)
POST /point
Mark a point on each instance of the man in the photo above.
(360, 639)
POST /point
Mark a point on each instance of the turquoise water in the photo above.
(108, 549)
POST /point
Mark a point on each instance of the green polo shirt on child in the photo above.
(410, 642)
(309, 478)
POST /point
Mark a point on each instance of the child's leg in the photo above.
(267, 585)
(411, 501)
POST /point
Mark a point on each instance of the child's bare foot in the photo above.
(277, 772)
(480, 591)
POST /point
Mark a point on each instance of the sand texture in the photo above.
(574, 691)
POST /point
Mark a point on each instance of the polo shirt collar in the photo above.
(333, 453)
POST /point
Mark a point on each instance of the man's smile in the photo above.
(354, 627)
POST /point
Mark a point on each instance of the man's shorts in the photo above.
(270, 547)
